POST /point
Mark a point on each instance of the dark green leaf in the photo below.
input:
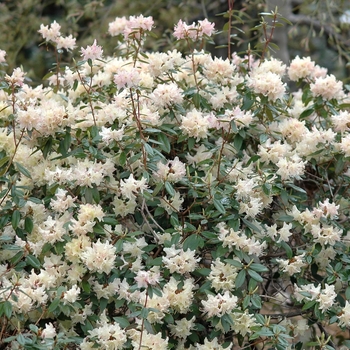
(16, 217)
(122, 321)
(169, 188)
(255, 275)
(258, 267)
(164, 143)
(28, 224)
(53, 306)
(240, 279)
(219, 206)
(33, 261)
(192, 242)
(23, 170)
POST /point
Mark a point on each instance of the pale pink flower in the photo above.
(206, 27)
(146, 278)
(17, 77)
(141, 22)
(117, 26)
(180, 30)
(195, 124)
(92, 52)
(2, 56)
(127, 78)
(193, 31)
(165, 95)
(67, 42)
(50, 33)
(300, 68)
(341, 121)
(268, 84)
(328, 87)
(136, 26)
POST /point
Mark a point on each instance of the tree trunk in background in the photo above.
(280, 37)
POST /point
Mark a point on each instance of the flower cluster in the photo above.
(164, 200)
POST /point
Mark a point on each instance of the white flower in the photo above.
(130, 186)
(178, 260)
(71, 295)
(242, 322)
(344, 317)
(172, 171)
(49, 331)
(109, 336)
(92, 52)
(182, 328)
(146, 278)
(326, 297)
(219, 304)
(195, 124)
(222, 276)
(292, 266)
(100, 257)
(211, 345)
(284, 232)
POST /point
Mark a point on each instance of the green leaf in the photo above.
(246, 302)
(234, 263)
(53, 306)
(169, 188)
(309, 305)
(219, 206)
(5, 308)
(296, 188)
(122, 158)
(288, 249)
(23, 170)
(4, 160)
(240, 279)
(15, 259)
(86, 286)
(307, 113)
(253, 274)
(164, 143)
(192, 242)
(191, 142)
(28, 224)
(258, 267)
(238, 142)
(260, 319)
(122, 321)
(256, 301)
(33, 261)
(16, 217)
(347, 293)
(252, 226)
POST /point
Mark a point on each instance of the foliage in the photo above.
(160, 200)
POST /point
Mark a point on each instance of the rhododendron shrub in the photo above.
(173, 200)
